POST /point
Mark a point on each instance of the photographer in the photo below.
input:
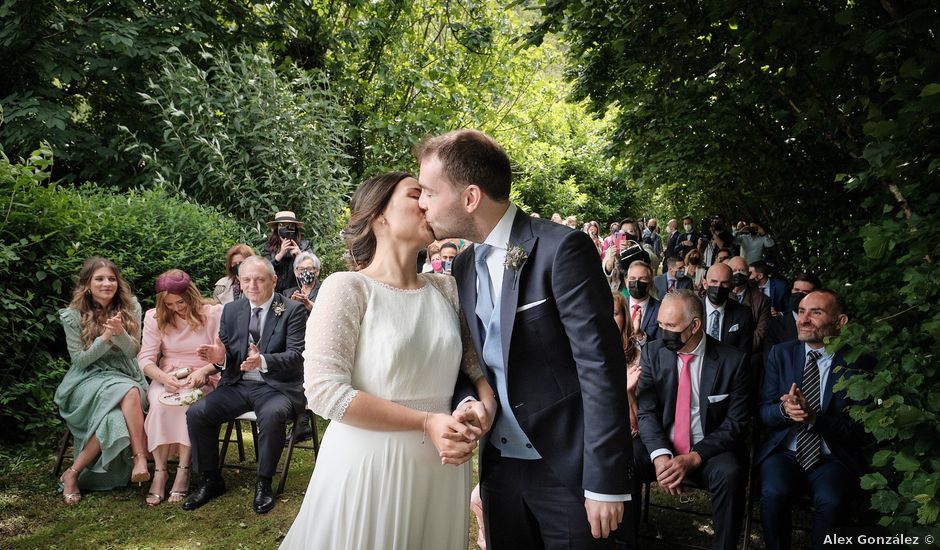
(283, 245)
(627, 247)
(715, 236)
(753, 240)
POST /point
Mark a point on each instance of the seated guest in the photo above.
(181, 322)
(775, 289)
(640, 304)
(813, 444)
(631, 350)
(726, 320)
(694, 269)
(260, 356)
(283, 245)
(751, 298)
(227, 288)
(103, 395)
(673, 279)
(783, 327)
(693, 414)
(307, 272)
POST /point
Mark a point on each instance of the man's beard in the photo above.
(455, 224)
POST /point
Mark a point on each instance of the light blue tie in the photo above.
(715, 331)
(484, 309)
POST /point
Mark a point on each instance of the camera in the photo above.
(287, 234)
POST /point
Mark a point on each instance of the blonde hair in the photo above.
(91, 315)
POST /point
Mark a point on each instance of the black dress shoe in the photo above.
(264, 497)
(207, 490)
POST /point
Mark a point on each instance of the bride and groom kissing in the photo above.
(517, 351)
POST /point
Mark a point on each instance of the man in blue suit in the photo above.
(775, 289)
(812, 444)
(555, 469)
(673, 279)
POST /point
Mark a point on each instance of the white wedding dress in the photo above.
(380, 489)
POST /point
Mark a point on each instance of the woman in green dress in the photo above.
(103, 395)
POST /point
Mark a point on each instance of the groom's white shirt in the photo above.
(498, 239)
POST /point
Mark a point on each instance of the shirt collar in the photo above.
(264, 307)
(499, 236)
(825, 355)
(700, 348)
(642, 303)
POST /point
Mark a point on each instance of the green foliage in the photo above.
(247, 139)
(820, 121)
(71, 69)
(46, 233)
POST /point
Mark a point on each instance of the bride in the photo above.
(384, 345)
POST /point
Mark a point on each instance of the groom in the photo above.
(556, 467)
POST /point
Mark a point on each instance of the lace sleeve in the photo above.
(331, 339)
(469, 363)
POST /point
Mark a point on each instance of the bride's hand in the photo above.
(474, 413)
(453, 440)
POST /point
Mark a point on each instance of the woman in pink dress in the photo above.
(181, 322)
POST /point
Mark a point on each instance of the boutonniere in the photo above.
(515, 259)
(278, 309)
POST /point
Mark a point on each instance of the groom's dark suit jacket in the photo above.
(566, 376)
(282, 345)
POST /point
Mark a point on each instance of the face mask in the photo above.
(695, 261)
(234, 270)
(672, 339)
(718, 295)
(638, 289)
(739, 279)
(306, 277)
(752, 283)
(436, 265)
(288, 234)
(795, 300)
(688, 228)
(680, 274)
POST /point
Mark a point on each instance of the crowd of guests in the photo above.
(721, 350)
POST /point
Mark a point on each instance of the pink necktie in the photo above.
(682, 436)
(636, 311)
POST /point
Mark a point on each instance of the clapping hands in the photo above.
(113, 326)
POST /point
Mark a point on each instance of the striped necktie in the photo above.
(807, 441)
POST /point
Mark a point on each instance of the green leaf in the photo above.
(905, 463)
(873, 481)
(930, 89)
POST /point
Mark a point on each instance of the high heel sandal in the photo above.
(69, 498)
(159, 497)
(140, 477)
(178, 496)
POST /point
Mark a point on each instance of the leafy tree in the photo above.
(242, 136)
(820, 121)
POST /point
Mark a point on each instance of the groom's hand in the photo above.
(454, 441)
(604, 517)
(473, 413)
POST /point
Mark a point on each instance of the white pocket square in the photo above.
(530, 305)
(717, 398)
(734, 328)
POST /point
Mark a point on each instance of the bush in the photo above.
(239, 135)
(46, 233)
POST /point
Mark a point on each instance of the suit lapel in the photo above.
(272, 319)
(707, 380)
(467, 292)
(670, 365)
(521, 235)
(648, 315)
(825, 395)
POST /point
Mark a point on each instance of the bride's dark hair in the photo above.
(368, 202)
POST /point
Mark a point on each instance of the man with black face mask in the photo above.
(726, 320)
(752, 299)
(782, 328)
(644, 309)
(693, 414)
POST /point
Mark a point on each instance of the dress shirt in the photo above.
(709, 308)
(644, 303)
(695, 423)
(262, 316)
(825, 367)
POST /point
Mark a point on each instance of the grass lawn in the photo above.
(32, 514)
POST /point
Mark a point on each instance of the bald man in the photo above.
(725, 319)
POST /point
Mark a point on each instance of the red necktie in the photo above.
(682, 435)
(636, 311)
(672, 285)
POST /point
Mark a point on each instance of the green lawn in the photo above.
(32, 514)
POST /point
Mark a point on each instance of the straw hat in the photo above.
(285, 216)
